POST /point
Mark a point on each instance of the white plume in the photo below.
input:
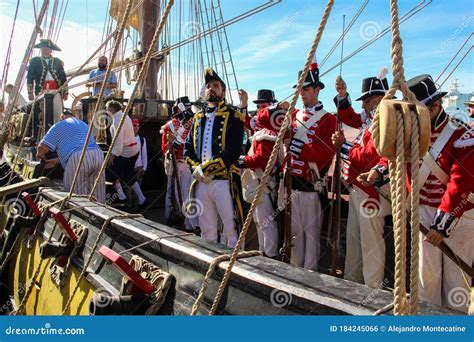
(383, 72)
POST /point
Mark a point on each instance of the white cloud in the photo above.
(72, 41)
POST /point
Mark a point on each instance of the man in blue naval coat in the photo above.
(211, 150)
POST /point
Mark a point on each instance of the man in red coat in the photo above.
(311, 151)
(174, 134)
(446, 200)
(268, 123)
(365, 244)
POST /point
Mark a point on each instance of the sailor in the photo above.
(446, 200)
(20, 100)
(173, 136)
(365, 245)
(67, 138)
(265, 98)
(124, 156)
(212, 150)
(96, 78)
(311, 152)
(142, 161)
(45, 73)
(268, 123)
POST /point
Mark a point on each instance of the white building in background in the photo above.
(453, 102)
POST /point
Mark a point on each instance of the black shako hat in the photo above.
(312, 77)
(425, 89)
(265, 96)
(374, 85)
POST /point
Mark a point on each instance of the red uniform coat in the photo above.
(457, 160)
(318, 148)
(173, 126)
(359, 156)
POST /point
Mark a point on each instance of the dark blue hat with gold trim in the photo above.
(210, 74)
(47, 43)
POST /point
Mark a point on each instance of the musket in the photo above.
(448, 251)
(176, 212)
(285, 250)
(336, 188)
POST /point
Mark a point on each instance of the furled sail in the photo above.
(117, 8)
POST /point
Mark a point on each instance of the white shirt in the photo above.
(142, 160)
(126, 144)
(206, 152)
(49, 77)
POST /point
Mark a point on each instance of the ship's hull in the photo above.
(258, 285)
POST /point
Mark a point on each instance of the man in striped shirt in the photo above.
(67, 138)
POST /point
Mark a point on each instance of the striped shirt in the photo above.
(66, 137)
(97, 76)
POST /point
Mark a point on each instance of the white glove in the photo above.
(199, 175)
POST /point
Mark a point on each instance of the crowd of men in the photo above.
(214, 155)
(210, 168)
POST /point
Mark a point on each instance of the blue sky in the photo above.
(269, 48)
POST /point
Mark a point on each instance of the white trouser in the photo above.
(306, 224)
(267, 228)
(87, 174)
(185, 180)
(365, 245)
(441, 281)
(214, 201)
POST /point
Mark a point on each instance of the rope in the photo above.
(415, 214)
(143, 71)
(398, 190)
(153, 240)
(93, 250)
(29, 288)
(210, 271)
(278, 144)
(100, 96)
(398, 178)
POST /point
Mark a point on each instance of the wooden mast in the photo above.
(150, 15)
